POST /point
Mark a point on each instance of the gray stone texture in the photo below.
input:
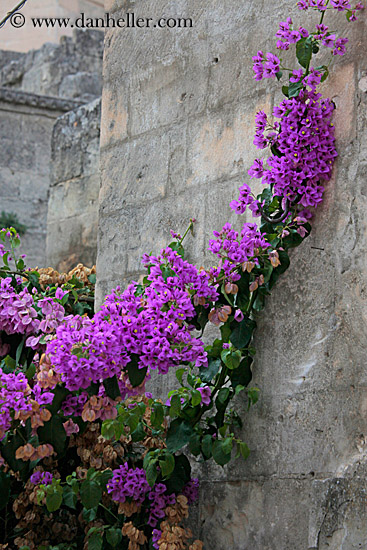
(71, 69)
(178, 112)
(35, 89)
(73, 199)
(25, 131)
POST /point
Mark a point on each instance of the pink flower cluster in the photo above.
(44, 478)
(304, 140)
(288, 35)
(17, 311)
(129, 483)
(265, 67)
(234, 251)
(14, 398)
(158, 503)
(151, 325)
(191, 490)
(21, 313)
(322, 5)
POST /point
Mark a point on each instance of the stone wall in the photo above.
(75, 183)
(71, 69)
(178, 112)
(35, 89)
(26, 122)
(27, 38)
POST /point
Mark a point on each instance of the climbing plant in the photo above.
(88, 456)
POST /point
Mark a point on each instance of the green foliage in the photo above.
(242, 332)
(178, 435)
(136, 375)
(304, 52)
(9, 219)
(53, 432)
(90, 494)
(4, 489)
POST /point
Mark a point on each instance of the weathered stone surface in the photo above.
(71, 69)
(24, 176)
(75, 182)
(35, 89)
(184, 101)
(28, 37)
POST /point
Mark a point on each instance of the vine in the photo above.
(88, 456)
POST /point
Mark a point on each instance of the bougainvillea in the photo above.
(88, 457)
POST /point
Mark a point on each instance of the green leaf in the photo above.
(285, 90)
(89, 515)
(151, 473)
(177, 247)
(133, 421)
(175, 407)
(279, 75)
(167, 272)
(178, 435)
(10, 364)
(167, 464)
(113, 536)
(225, 331)
(112, 387)
(243, 375)
(242, 333)
(304, 52)
(136, 375)
(90, 494)
(180, 475)
(253, 396)
(231, 359)
(60, 393)
(4, 489)
(138, 434)
(294, 89)
(108, 428)
(95, 541)
(20, 264)
(69, 497)
(92, 278)
(284, 264)
(157, 415)
(325, 74)
(54, 500)
(196, 398)
(206, 445)
(179, 374)
(227, 445)
(208, 373)
(228, 297)
(223, 395)
(194, 444)
(53, 432)
(8, 450)
(103, 478)
(30, 372)
(259, 302)
(214, 351)
(245, 451)
(65, 299)
(293, 239)
(220, 452)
